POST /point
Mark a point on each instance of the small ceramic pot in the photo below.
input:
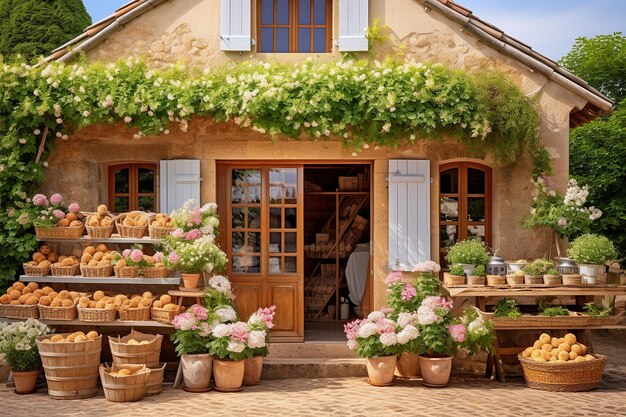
(252, 370)
(197, 370)
(190, 280)
(468, 269)
(436, 371)
(228, 374)
(25, 382)
(408, 365)
(380, 370)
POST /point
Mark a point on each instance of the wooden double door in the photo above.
(261, 230)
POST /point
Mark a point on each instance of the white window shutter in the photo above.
(179, 182)
(409, 213)
(235, 21)
(353, 23)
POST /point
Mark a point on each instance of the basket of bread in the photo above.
(58, 306)
(164, 309)
(133, 224)
(41, 262)
(96, 261)
(100, 224)
(160, 226)
(20, 301)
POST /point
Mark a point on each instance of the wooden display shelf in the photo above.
(77, 279)
(116, 323)
(536, 291)
(112, 239)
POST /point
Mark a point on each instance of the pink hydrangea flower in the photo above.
(428, 266)
(74, 208)
(40, 200)
(56, 198)
(457, 331)
(136, 255)
(178, 234)
(58, 214)
(193, 234)
(199, 312)
(386, 310)
(195, 217)
(158, 257)
(393, 277)
(185, 321)
(408, 292)
(240, 331)
(562, 222)
(126, 253)
(173, 258)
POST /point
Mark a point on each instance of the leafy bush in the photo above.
(479, 271)
(595, 310)
(457, 270)
(507, 307)
(546, 309)
(592, 249)
(470, 251)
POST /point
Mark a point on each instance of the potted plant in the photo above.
(455, 276)
(259, 325)
(515, 277)
(535, 270)
(192, 338)
(442, 335)
(379, 339)
(477, 278)
(18, 348)
(229, 348)
(551, 276)
(469, 253)
(591, 252)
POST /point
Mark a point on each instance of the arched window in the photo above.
(464, 204)
(294, 26)
(132, 187)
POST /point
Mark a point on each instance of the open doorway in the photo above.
(337, 216)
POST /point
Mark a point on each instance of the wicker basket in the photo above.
(163, 316)
(515, 279)
(126, 272)
(13, 311)
(152, 272)
(452, 280)
(96, 271)
(156, 232)
(36, 271)
(533, 279)
(563, 377)
(494, 280)
(147, 354)
(58, 313)
(100, 232)
(475, 281)
(552, 279)
(155, 381)
(124, 388)
(136, 232)
(134, 314)
(537, 322)
(56, 232)
(572, 279)
(96, 314)
(65, 271)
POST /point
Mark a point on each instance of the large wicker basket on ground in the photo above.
(96, 314)
(71, 368)
(13, 311)
(58, 313)
(56, 232)
(147, 354)
(136, 232)
(36, 271)
(125, 388)
(564, 377)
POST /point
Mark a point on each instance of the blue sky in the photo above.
(549, 26)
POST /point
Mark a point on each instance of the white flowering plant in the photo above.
(592, 249)
(567, 215)
(379, 335)
(260, 323)
(470, 251)
(218, 293)
(18, 346)
(230, 341)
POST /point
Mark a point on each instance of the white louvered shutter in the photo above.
(409, 213)
(353, 23)
(235, 22)
(179, 182)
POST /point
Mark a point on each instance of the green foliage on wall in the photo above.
(34, 28)
(364, 104)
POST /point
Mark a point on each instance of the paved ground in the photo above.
(354, 397)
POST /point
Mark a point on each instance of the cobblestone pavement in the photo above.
(353, 397)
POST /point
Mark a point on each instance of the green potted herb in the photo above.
(469, 254)
(595, 310)
(515, 277)
(456, 276)
(534, 271)
(547, 309)
(551, 276)
(478, 276)
(591, 252)
(507, 308)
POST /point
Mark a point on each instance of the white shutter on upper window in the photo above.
(235, 22)
(409, 213)
(353, 23)
(179, 182)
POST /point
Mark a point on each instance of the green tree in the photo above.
(601, 61)
(36, 27)
(597, 155)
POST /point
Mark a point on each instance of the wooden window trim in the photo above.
(463, 195)
(293, 26)
(133, 193)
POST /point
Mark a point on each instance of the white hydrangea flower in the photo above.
(388, 339)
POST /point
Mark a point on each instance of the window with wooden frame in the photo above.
(132, 187)
(294, 26)
(464, 204)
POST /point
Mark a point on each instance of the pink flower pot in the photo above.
(408, 365)
(436, 371)
(380, 370)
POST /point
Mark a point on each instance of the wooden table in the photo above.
(181, 295)
(483, 295)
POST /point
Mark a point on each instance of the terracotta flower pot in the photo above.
(435, 371)
(25, 382)
(190, 280)
(380, 370)
(197, 370)
(252, 370)
(228, 374)
(408, 365)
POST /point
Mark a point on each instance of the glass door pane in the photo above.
(283, 222)
(246, 242)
